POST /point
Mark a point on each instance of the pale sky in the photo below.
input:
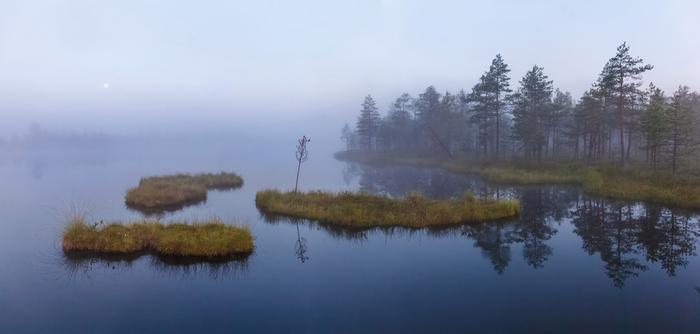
(289, 57)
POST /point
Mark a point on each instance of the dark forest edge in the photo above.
(362, 210)
(206, 239)
(618, 139)
(634, 183)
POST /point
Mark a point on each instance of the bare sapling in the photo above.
(302, 155)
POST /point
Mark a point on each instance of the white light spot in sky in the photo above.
(106, 85)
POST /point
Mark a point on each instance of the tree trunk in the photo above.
(498, 124)
(629, 142)
(675, 151)
(621, 119)
(296, 184)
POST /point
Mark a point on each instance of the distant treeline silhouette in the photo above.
(616, 120)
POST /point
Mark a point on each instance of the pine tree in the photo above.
(348, 137)
(621, 77)
(481, 106)
(654, 123)
(590, 122)
(489, 97)
(679, 141)
(400, 121)
(368, 123)
(427, 106)
(427, 110)
(532, 103)
(499, 85)
(560, 113)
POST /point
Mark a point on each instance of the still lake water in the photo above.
(569, 263)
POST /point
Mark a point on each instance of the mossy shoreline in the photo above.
(623, 183)
(362, 210)
(199, 239)
(172, 192)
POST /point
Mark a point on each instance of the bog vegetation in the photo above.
(207, 238)
(178, 190)
(366, 210)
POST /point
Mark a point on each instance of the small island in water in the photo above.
(173, 192)
(367, 210)
(207, 239)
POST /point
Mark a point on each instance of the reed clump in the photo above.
(178, 190)
(205, 238)
(367, 210)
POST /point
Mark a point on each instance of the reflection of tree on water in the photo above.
(350, 172)
(493, 240)
(625, 234)
(667, 238)
(532, 229)
(605, 230)
(300, 247)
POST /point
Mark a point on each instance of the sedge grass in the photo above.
(366, 210)
(172, 191)
(207, 238)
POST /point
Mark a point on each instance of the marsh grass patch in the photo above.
(172, 192)
(365, 210)
(209, 238)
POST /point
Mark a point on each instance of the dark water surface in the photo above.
(569, 264)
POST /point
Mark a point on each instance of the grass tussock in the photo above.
(178, 190)
(367, 210)
(633, 183)
(210, 238)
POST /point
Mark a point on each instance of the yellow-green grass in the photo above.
(208, 238)
(634, 183)
(366, 210)
(178, 190)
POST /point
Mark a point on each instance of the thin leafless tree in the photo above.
(302, 155)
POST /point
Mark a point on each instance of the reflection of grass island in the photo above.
(367, 210)
(160, 193)
(205, 239)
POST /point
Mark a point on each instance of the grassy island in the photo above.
(176, 191)
(626, 183)
(367, 210)
(210, 238)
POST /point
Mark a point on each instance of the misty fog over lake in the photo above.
(405, 166)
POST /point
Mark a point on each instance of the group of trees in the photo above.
(616, 120)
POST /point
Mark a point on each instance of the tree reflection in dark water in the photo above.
(609, 230)
(494, 241)
(86, 263)
(628, 237)
(301, 247)
(541, 207)
(625, 235)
